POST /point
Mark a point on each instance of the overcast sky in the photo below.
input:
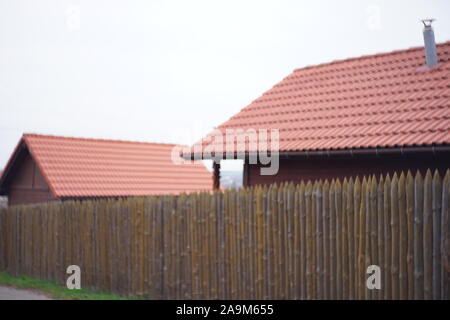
(170, 71)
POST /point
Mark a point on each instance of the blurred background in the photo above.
(170, 71)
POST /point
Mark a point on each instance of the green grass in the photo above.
(55, 290)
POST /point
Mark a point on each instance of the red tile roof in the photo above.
(381, 100)
(75, 167)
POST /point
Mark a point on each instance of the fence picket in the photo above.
(428, 237)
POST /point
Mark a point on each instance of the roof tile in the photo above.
(75, 167)
(382, 100)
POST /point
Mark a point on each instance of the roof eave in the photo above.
(376, 151)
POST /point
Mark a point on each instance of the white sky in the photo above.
(170, 71)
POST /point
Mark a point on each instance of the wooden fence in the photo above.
(313, 240)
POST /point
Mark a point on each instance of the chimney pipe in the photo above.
(430, 43)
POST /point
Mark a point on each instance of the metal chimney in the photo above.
(430, 43)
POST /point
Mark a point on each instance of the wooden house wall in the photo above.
(27, 184)
(297, 168)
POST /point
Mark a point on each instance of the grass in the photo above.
(55, 290)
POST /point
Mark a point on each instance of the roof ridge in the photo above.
(368, 56)
(25, 135)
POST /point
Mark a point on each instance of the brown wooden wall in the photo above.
(27, 185)
(296, 169)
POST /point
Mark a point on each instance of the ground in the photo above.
(7, 293)
(27, 288)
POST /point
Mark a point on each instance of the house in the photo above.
(46, 168)
(374, 114)
(3, 200)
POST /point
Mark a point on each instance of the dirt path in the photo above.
(7, 293)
